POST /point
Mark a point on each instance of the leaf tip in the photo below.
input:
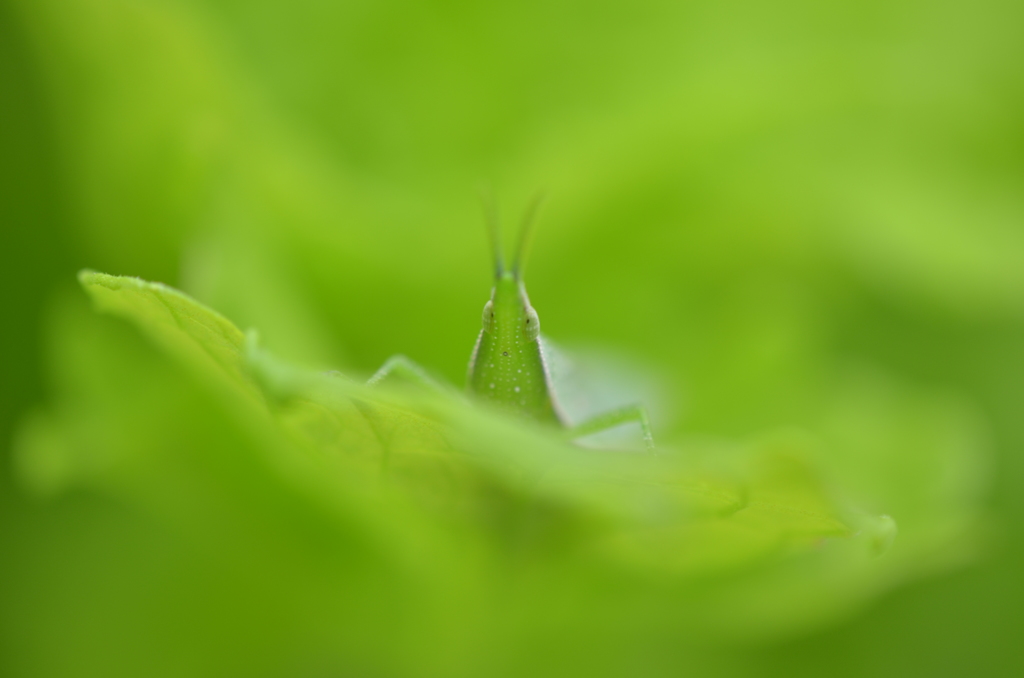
(89, 278)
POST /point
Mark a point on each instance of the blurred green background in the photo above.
(786, 216)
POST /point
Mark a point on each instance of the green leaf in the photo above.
(176, 322)
(463, 521)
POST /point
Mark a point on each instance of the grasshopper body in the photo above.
(507, 368)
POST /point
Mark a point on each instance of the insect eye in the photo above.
(488, 316)
(531, 324)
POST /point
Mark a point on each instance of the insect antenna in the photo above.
(494, 230)
(526, 234)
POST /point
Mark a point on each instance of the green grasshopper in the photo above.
(507, 368)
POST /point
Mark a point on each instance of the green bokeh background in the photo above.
(776, 211)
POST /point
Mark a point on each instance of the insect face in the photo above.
(530, 320)
(509, 315)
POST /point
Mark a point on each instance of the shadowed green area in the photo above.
(793, 230)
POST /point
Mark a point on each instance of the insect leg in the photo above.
(400, 366)
(617, 417)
